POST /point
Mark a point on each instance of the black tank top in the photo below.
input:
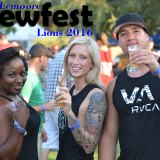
(28, 149)
(137, 101)
(69, 149)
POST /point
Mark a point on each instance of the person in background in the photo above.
(83, 107)
(106, 58)
(33, 90)
(4, 43)
(133, 110)
(120, 64)
(23, 53)
(19, 122)
(53, 74)
(54, 49)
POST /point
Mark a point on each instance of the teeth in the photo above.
(18, 87)
(75, 68)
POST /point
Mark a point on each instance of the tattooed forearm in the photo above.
(88, 137)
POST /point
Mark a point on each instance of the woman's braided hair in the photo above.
(7, 55)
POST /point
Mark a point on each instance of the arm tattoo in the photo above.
(89, 136)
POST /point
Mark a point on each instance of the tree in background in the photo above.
(105, 12)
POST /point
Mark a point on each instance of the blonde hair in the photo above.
(93, 75)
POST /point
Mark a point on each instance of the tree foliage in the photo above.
(105, 12)
(149, 9)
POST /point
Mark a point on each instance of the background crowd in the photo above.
(34, 84)
(45, 67)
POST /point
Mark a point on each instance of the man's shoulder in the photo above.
(32, 75)
(111, 85)
(57, 59)
(32, 78)
(61, 53)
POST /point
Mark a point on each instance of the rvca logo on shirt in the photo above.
(145, 92)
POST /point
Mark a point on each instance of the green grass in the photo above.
(52, 155)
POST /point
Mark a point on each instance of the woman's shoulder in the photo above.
(97, 88)
(3, 108)
(97, 93)
(5, 125)
(3, 104)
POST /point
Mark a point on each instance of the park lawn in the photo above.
(52, 155)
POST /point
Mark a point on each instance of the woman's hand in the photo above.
(63, 100)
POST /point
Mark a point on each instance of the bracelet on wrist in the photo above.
(156, 72)
(43, 108)
(75, 126)
(20, 129)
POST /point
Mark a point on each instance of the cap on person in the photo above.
(129, 18)
(39, 50)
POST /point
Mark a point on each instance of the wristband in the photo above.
(19, 128)
(75, 126)
(43, 108)
(156, 72)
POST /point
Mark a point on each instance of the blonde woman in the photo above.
(83, 107)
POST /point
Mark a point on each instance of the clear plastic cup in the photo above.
(58, 105)
(132, 67)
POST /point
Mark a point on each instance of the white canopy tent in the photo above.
(24, 35)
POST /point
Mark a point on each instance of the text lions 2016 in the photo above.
(68, 32)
